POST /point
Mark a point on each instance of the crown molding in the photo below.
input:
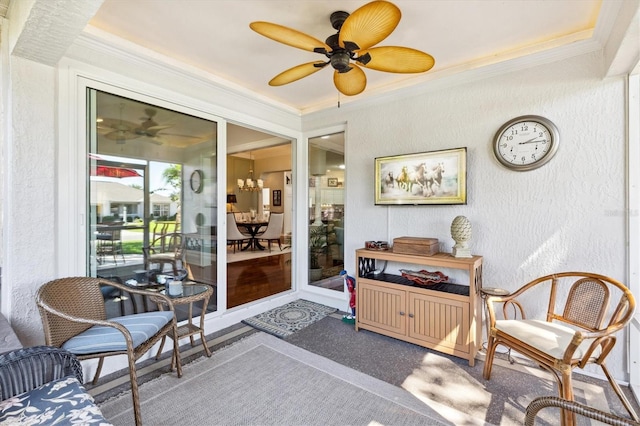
(103, 43)
(559, 49)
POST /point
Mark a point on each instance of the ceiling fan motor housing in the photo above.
(340, 60)
(339, 57)
(337, 19)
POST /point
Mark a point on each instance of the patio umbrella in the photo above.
(115, 172)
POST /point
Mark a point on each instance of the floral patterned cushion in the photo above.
(63, 401)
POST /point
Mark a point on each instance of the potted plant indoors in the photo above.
(317, 247)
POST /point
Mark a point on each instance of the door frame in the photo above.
(633, 223)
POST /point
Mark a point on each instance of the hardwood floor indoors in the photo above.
(259, 277)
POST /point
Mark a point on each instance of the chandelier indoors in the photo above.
(250, 184)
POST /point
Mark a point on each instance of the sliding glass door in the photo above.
(259, 213)
(152, 183)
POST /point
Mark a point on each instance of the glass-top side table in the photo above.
(190, 293)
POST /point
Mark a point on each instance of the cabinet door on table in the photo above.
(441, 322)
(382, 307)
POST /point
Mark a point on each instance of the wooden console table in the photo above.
(445, 317)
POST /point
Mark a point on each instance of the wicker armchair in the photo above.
(44, 382)
(25, 369)
(582, 331)
(74, 318)
(575, 407)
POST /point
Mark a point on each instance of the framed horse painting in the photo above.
(435, 177)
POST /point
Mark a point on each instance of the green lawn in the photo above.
(171, 227)
(135, 247)
(132, 247)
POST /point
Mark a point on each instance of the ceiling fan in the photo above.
(350, 48)
(154, 132)
(149, 127)
(118, 130)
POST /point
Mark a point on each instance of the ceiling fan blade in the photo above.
(370, 24)
(288, 36)
(350, 83)
(158, 128)
(118, 135)
(115, 124)
(150, 131)
(179, 135)
(296, 73)
(398, 59)
(152, 140)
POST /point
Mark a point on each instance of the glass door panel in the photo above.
(326, 211)
(259, 217)
(152, 183)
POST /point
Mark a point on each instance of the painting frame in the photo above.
(332, 182)
(425, 178)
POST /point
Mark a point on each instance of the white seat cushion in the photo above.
(552, 338)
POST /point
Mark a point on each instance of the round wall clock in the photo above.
(526, 142)
(197, 181)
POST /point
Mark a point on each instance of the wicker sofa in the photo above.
(43, 385)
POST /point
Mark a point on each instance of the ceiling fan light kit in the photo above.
(350, 48)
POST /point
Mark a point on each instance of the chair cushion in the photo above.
(163, 256)
(551, 338)
(103, 339)
(62, 401)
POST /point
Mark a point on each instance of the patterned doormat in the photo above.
(287, 319)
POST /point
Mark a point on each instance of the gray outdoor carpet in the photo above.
(263, 380)
(285, 320)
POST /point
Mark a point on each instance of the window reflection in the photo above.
(326, 211)
(143, 206)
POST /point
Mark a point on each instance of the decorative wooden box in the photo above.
(416, 245)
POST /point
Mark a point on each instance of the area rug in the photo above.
(285, 320)
(263, 380)
(449, 380)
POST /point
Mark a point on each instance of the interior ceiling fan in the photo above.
(350, 48)
(149, 131)
(149, 127)
(121, 130)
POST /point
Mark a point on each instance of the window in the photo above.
(326, 211)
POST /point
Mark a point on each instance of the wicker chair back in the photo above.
(69, 297)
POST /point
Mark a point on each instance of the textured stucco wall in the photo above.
(567, 215)
(29, 234)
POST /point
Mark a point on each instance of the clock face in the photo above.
(197, 181)
(526, 142)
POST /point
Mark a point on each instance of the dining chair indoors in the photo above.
(74, 318)
(273, 232)
(577, 330)
(234, 236)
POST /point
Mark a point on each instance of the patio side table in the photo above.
(484, 293)
(191, 292)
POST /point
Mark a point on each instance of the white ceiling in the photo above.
(214, 35)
